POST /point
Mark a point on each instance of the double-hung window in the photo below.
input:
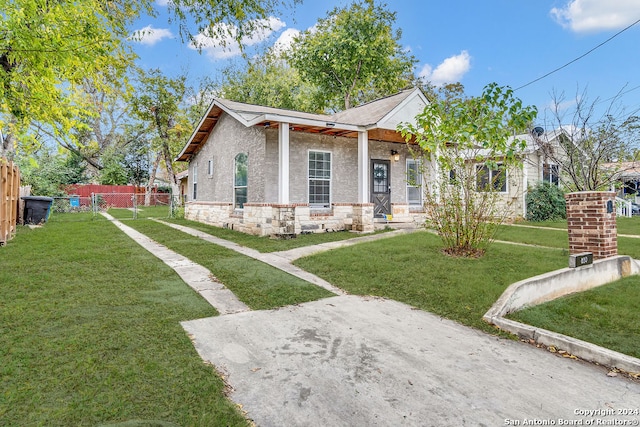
(414, 182)
(240, 181)
(319, 179)
(494, 179)
(550, 174)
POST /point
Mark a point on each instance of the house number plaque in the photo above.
(579, 260)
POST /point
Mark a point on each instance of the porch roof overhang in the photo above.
(252, 115)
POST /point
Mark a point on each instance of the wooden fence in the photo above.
(9, 197)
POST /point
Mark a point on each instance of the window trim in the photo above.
(235, 187)
(419, 176)
(210, 168)
(194, 182)
(317, 205)
(491, 178)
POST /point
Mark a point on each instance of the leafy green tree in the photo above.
(353, 55)
(49, 173)
(113, 171)
(48, 49)
(268, 80)
(470, 145)
(159, 104)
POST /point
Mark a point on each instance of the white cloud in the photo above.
(226, 46)
(596, 15)
(150, 36)
(285, 40)
(451, 70)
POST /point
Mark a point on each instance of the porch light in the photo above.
(395, 155)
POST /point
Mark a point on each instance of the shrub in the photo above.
(545, 202)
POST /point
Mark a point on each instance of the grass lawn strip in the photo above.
(266, 244)
(258, 285)
(90, 334)
(412, 269)
(607, 316)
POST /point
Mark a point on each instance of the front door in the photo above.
(381, 188)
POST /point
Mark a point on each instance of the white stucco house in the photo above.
(269, 171)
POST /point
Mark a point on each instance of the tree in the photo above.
(48, 173)
(589, 143)
(353, 55)
(470, 144)
(158, 104)
(269, 80)
(50, 48)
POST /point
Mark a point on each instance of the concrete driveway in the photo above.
(357, 361)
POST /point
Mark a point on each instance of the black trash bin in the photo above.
(36, 209)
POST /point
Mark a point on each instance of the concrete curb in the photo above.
(196, 276)
(549, 286)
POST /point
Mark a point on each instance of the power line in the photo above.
(580, 57)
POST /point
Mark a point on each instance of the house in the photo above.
(537, 166)
(269, 171)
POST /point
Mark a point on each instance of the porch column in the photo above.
(283, 163)
(363, 167)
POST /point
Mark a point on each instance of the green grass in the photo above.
(625, 225)
(255, 283)
(607, 316)
(90, 334)
(559, 239)
(266, 244)
(534, 236)
(412, 269)
(629, 225)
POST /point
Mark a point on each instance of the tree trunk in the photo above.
(7, 146)
(152, 179)
(173, 181)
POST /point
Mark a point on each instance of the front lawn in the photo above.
(266, 244)
(412, 269)
(255, 283)
(90, 333)
(607, 315)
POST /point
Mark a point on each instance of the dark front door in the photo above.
(381, 187)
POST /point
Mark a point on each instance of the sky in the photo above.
(510, 42)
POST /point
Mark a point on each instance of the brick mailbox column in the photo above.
(591, 219)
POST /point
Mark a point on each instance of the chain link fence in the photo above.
(121, 206)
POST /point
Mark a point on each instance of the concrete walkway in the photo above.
(196, 276)
(351, 360)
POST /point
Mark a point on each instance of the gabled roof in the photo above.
(348, 123)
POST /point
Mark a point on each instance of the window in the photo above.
(195, 181)
(210, 168)
(414, 182)
(491, 179)
(550, 174)
(240, 181)
(319, 179)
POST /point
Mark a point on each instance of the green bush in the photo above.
(545, 202)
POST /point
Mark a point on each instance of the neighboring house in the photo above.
(268, 171)
(182, 178)
(536, 168)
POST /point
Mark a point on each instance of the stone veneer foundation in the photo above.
(591, 221)
(268, 219)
